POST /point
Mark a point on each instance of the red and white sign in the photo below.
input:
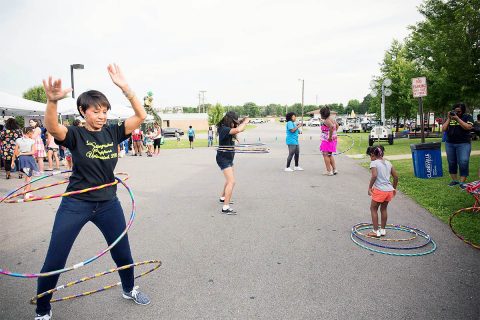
(419, 87)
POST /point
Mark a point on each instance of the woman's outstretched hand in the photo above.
(54, 91)
(117, 77)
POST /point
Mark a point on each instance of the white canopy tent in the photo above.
(11, 105)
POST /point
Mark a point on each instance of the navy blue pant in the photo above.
(458, 157)
(71, 216)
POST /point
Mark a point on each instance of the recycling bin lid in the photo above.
(426, 146)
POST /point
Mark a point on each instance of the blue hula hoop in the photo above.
(401, 228)
(422, 234)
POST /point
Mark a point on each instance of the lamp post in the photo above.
(74, 66)
(303, 94)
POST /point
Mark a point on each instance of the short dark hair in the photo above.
(325, 112)
(76, 122)
(377, 150)
(288, 116)
(11, 124)
(27, 130)
(190, 127)
(460, 105)
(91, 98)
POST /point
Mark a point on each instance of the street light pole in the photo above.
(303, 94)
(74, 66)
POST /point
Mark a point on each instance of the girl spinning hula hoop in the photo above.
(227, 129)
(94, 151)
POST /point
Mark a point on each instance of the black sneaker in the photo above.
(453, 183)
(229, 211)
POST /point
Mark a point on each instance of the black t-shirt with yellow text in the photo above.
(94, 156)
(455, 132)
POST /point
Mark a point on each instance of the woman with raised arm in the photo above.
(227, 129)
(94, 149)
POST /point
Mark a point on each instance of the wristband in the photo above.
(129, 94)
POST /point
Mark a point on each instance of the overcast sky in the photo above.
(238, 51)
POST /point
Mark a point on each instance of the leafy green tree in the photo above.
(354, 105)
(36, 93)
(365, 105)
(446, 47)
(338, 107)
(215, 114)
(251, 109)
(397, 67)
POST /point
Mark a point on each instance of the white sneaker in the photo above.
(298, 169)
(383, 232)
(48, 316)
(288, 169)
(335, 171)
(328, 173)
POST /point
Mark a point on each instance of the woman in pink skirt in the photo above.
(329, 141)
(40, 153)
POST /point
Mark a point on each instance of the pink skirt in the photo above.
(328, 146)
(40, 153)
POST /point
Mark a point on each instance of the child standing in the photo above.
(149, 142)
(191, 136)
(380, 188)
(25, 149)
(52, 154)
(329, 141)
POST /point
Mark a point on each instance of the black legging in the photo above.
(71, 216)
(293, 149)
(8, 164)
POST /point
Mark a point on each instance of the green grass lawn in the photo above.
(440, 199)
(184, 143)
(399, 146)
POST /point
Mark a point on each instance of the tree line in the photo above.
(444, 48)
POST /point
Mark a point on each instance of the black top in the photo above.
(94, 155)
(455, 132)
(225, 139)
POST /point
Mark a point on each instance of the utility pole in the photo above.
(203, 100)
(303, 94)
(199, 102)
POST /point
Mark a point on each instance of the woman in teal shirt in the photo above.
(292, 141)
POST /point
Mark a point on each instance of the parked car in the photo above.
(170, 132)
(352, 125)
(314, 122)
(256, 120)
(283, 119)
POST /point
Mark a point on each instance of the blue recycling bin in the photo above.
(427, 160)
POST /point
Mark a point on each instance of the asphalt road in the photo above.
(286, 255)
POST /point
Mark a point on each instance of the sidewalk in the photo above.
(403, 156)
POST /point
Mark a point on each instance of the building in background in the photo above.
(199, 121)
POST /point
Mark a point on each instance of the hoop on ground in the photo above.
(474, 210)
(363, 226)
(415, 234)
(393, 227)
